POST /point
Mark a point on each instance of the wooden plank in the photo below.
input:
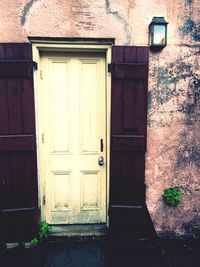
(27, 101)
(4, 122)
(12, 51)
(129, 98)
(141, 107)
(6, 189)
(117, 53)
(18, 225)
(18, 183)
(142, 54)
(128, 143)
(130, 54)
(25, 51)
(15, 68)
(129, 71)
(127, 177)
(30, 180)
(116, 107)
(14, 106)
(16, 143)
(2, 51)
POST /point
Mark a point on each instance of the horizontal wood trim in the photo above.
(128, 143)
(15, 68)
(129, 71)
(18, 209)
(71, 40)
(16, 143)
(19, 216)
(126, 207)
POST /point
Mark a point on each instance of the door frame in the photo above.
(68, 45)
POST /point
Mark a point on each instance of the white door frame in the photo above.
(68, 46)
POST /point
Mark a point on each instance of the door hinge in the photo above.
(44, 200)
(43, 138)
(35, 65)
(110, 67)
(41, 74)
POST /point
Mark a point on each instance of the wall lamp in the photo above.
(158, 33)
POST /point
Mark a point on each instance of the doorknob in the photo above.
(100, 160)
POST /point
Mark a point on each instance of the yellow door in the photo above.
(73, 132)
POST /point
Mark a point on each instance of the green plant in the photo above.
(172, 196)
(43, 233)
(35, 241)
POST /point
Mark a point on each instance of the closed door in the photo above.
(72, 107)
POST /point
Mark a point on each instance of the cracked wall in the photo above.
(173, 151)
(173, 157)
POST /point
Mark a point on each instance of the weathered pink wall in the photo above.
(173, 157)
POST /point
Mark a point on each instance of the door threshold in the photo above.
(82, 230)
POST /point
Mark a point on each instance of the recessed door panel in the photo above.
(61, 191)
(59, 89)
(90, 116)
(90, 190)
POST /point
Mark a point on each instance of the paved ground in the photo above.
(105, 253)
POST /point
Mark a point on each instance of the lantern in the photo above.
(158, 33)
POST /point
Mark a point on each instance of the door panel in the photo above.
(90, 190)
(73, 123)
(90, 117)
(61, 191)
(59, 106)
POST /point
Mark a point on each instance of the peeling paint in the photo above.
(189, 2)
(183, 136)
(187, 108)
(169, 76)
(190, 28)
(186, 155)
(164, 79)
(184, 70)
(26, 10)
(165, 84)
(120, 18)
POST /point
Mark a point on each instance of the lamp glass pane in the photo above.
(159, 35)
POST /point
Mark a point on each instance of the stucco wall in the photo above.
(173, 156)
